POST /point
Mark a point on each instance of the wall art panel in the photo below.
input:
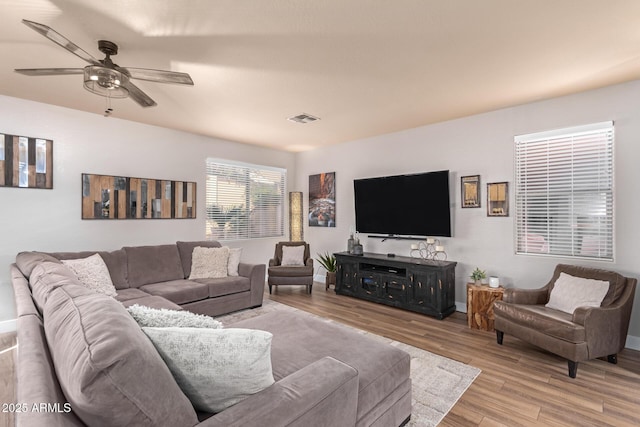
(26, 162)
(119, 197)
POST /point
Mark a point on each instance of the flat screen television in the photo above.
(404, 205)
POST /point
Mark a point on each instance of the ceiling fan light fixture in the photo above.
(105, 81)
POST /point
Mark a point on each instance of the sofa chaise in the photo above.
(83, 359)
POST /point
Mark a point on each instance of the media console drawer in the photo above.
(414, 284)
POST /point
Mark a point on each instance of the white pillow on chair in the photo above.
(292, 255)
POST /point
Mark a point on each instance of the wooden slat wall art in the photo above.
(26, 162)
(119, 197)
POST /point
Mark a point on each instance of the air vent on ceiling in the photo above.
(303, 118)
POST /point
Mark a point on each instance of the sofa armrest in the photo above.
(309, 263)
(322, 393)
(272, 262)
(526, 296)
(256, 274)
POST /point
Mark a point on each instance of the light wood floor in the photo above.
(520, 385)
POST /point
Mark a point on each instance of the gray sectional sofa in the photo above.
(157, 276)
(86, 359)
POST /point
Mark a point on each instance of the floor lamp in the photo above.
(296, 231)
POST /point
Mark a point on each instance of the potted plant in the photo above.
(477, 275)
(328, 261)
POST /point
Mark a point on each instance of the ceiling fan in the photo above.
(103, 77)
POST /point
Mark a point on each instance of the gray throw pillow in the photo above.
(215, 368)
(164, 318)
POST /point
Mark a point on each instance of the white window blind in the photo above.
(244, 201)
(564, 192)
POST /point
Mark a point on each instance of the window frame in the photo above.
(580, 195)
(246, 230)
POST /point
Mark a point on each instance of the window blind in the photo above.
(244, 201)
(564, 192)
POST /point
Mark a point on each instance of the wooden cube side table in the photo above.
(480, 305)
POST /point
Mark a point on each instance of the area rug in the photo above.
(437, 382)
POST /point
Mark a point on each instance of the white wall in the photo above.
(483, 144)
(49, 220)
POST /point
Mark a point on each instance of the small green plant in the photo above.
(478, 274)
(328, 261)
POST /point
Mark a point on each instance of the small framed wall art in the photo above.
(470, 191)
(26, 162)
(498, 199)
(120, 197)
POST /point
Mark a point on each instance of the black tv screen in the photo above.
(409, 205)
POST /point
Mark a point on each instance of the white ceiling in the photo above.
(365, 67)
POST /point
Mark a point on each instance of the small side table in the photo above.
(480, 305)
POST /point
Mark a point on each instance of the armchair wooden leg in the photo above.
(269, 289)
(612, 358)
(573, 368)
(499, 336)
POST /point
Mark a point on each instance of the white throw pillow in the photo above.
(234, 260)
(292, 255)
(93, 273)
(209, 263)
(165, 318)
(570, 292)
(215, 368)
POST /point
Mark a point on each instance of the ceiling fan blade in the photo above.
(48, 71)
(139, 96)
(61, 40)
(158, 76)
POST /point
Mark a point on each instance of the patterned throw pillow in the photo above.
(93, 273)
(215, 368)
(164, 318)
(292, 255)
(209, 263)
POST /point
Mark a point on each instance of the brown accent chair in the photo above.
(288, 274)
(588, 333)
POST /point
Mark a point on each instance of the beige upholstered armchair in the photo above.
(291, 265)
(558, 317)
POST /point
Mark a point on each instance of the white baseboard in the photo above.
(8, 326)
(633, 343)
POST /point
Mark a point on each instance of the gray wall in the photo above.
(483, 144)
(49, 220)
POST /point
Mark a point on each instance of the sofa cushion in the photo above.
(116, 263)
(290, 271)
(152, 301)
(48, 276)
(163, 318)
(186, 250)
(130, 293)
(153, 264)
(110, 373)
(209, 263)
(300, 339)
(548, 321)
(570, 292)
(226, 286)
(27, 261)
(216, 368)
(93, 273)
(178, 291)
